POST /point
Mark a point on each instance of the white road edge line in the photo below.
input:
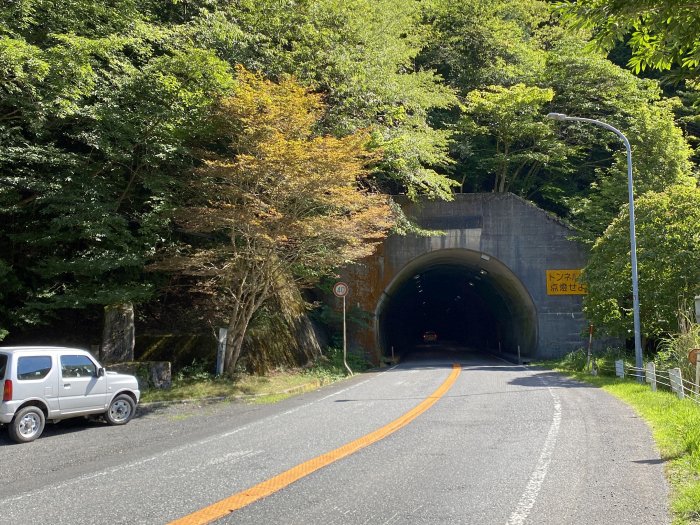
(532, 490)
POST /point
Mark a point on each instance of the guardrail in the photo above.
(668, 379)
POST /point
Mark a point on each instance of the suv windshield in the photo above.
(3, 365)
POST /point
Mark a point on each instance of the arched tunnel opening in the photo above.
(458, 300)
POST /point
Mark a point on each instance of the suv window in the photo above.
(3, 365)
(33, 367)
(77, 366)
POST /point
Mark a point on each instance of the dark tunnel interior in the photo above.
(458, 299)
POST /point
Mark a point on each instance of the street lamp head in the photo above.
(556, 116)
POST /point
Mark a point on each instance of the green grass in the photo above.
(675, 424)
(242, 386)
(195, 382)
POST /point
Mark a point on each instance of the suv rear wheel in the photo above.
(27, 425)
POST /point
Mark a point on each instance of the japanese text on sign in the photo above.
(564, 282)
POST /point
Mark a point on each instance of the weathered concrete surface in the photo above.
(149, 374)
(509, 238)
(118, 334)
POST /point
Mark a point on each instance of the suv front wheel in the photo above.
(27, 425)
(121, 410)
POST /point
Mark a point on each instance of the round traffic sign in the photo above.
(693, 355)
(340, 289)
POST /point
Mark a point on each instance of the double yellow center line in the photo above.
(244, 498)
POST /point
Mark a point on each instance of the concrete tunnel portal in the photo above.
(486, 278)
(469, 299)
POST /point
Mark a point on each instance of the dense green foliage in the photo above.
(103, 106)
(509, 137)
(278, 204)
(675, 348)
(517, 49)
(669, 267)
(99, 109)
(106, 109)
(662, 35)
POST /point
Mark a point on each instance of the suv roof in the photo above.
(29, 348)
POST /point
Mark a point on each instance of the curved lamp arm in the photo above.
(633, 235)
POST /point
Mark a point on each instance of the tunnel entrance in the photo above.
(467, 299)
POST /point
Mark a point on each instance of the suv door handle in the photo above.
(66, 385)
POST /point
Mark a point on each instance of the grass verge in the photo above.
(196, 382)
(278, 383)
(675, 424)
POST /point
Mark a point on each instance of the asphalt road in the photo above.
(505, 445)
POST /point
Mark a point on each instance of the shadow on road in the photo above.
(79, 424)
(62, 428)
(549, 378)
(443, 355)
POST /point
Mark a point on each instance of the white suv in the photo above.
(43, 383)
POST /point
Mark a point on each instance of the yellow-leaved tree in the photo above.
(276, 203)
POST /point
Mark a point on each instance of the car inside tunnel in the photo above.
(456, 300)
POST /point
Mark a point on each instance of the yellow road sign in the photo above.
(564, 282)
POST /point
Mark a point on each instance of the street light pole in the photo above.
(633, 235)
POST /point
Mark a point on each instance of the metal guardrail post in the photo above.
(651, 376)
(674, 374)
(620, 368)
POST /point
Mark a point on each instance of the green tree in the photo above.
(96, 117)
(662, 35)
(509, 137)
(660, 159)
(476, 43)
(361, 55)
(668, 241)
(586, 84)
(281, 203)
(488, 49)
(688, 118)
(482, 43)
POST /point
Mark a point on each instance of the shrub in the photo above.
(331, 367)
(575, 360)
(197, 371)
(674, 349)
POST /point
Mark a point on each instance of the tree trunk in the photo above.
(247, 302)
(233, 353)
(504, 171)
(237, 327)
(118, 333)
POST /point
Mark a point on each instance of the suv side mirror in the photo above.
(100, 372)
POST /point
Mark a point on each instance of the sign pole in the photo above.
(693, 358)
(341, 290)
(221, 351)
(345, 341)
